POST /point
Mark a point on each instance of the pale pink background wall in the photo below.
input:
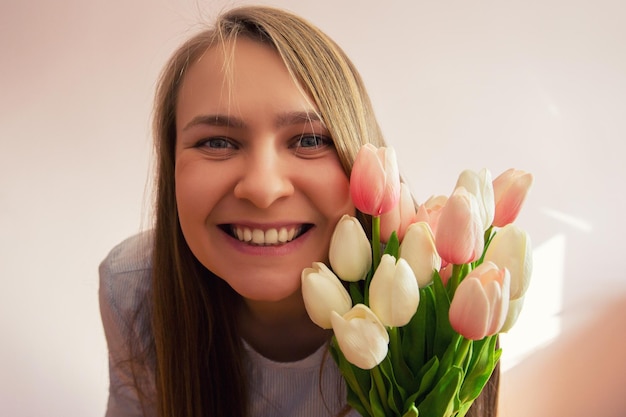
(537, 85)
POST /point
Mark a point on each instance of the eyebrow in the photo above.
(283, 119)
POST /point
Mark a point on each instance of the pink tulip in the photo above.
(510, 190)
(481, 302)
(459, 237)
(400, 217)
(375, 180)
(430, 211)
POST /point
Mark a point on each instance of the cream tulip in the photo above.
(393, 292)
(510, 248)
(361, 336)
(515, 308)
(418, 249)
(350, 254)
(323, 293)
(481, 185)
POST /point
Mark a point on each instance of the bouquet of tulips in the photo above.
(416, 311)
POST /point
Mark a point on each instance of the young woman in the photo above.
(257, 123)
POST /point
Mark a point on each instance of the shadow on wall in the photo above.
(582, 373)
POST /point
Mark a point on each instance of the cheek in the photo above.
(333, 190)
(197, 192)
(189, 185)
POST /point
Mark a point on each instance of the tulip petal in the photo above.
(510, 191)
(350, 253)
(361, 336)
(419, 250)
(511, 248)
(469, 309)
(323, 294)
(460, 238)
(514, 310)
(394, 294)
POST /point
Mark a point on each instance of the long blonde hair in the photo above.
(197, 348)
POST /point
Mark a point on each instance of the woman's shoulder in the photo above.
(132, 254)
(125, 273)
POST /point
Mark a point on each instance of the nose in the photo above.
(265, 179)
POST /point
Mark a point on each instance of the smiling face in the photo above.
(259, 185)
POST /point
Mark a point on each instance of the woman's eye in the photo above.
(313, 141)
(216, 143)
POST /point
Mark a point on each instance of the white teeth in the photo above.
(267, 237)
(258, 237)
(271, 237)
(283, 235)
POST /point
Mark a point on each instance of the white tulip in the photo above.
(481, 185)
(323, 293)
(510, 248)
(393, 293)
(515, 308)
(350, 254)
(361, 336)
(419, 250)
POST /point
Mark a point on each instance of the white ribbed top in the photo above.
(311, 387)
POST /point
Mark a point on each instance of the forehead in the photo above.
(238, 73)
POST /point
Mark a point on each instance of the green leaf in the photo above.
(356, 292)
(418, 332)
(357, 381)
(393, 245)
(426, 379)
(444, 333)
(378, 395)
(402, 374)
(443, 399)
(484, 360)
(395, 392)
(449, 356)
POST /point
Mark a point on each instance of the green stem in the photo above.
(462, 351)
(375, 242)
(380, 388)
(455, 279)
(375, 256)
(488, 236)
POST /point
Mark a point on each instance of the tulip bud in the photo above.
(481, 301)
(418, 248)
(400, 217)
(510, 190)
(481, 185)
(375, 180)
(323, 293)
(394, 294)
(350, 254)
(361, 336)
(460, 237)
(510, 248)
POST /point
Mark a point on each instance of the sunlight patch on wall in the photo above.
(539, 322)
(575, 222)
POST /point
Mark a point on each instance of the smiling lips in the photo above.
(273, 236)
